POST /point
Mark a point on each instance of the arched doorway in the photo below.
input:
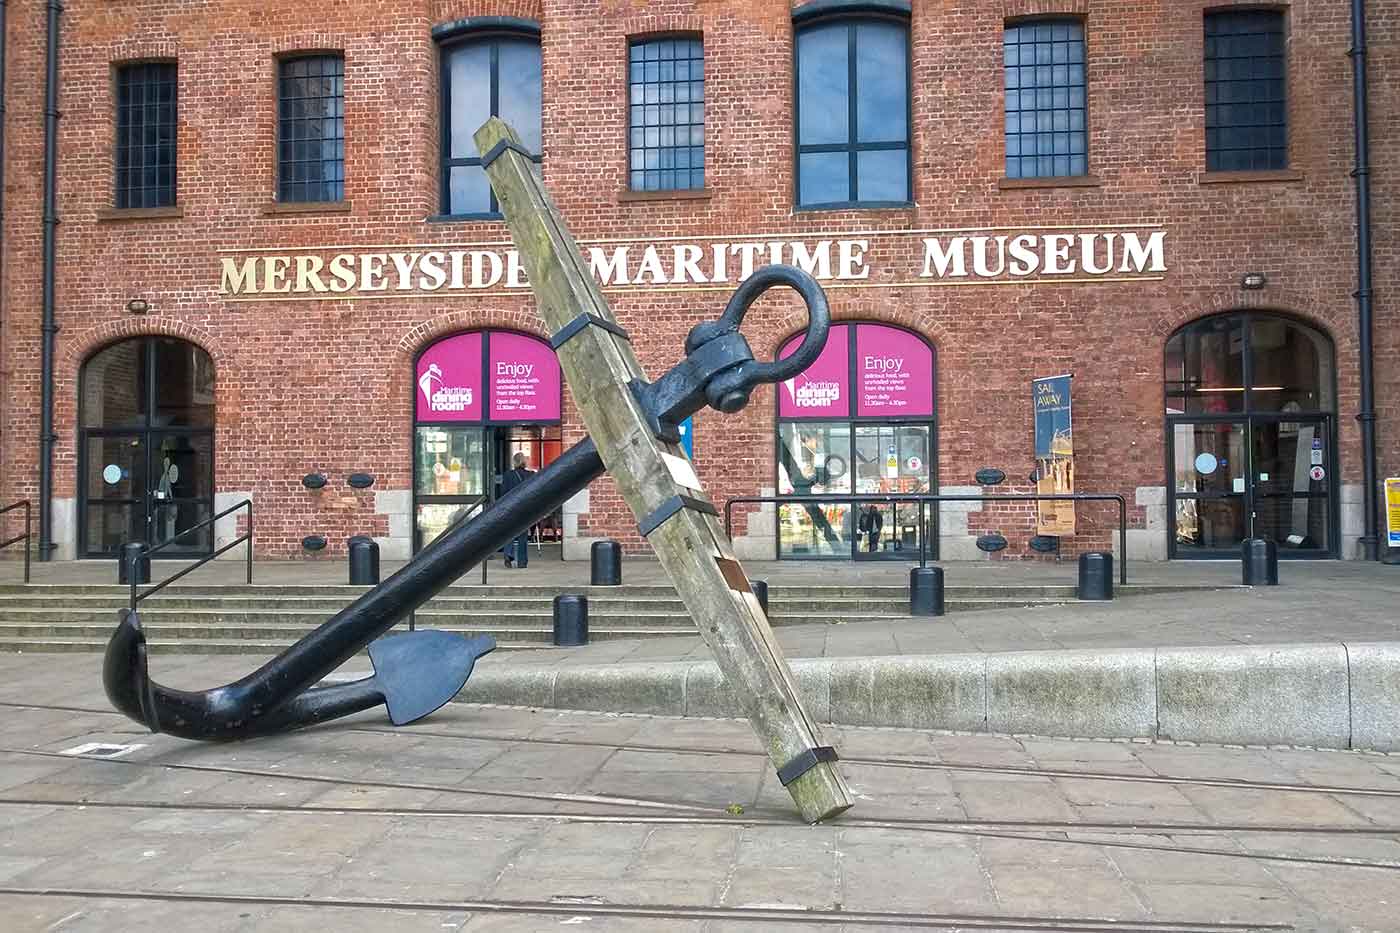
(480, 397)
(1251, 436)
(146, 447)
(860, 420)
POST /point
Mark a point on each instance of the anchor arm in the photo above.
(253, 704)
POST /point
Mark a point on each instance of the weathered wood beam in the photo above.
(650, 473)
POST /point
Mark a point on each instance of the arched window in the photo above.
(146, 446)
(853, 107)
(860, 420)
(1250, 404)
(491, 74)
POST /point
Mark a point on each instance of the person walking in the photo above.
(870, 524)
(517, 552)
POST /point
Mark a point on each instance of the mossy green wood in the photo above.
(691, 545)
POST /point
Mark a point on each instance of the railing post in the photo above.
(26, 532)
(249, 555)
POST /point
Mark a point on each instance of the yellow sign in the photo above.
(1392, 510)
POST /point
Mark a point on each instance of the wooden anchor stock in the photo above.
(657, 482)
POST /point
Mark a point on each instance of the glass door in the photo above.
(147, 486)
(449, 484)
(114, 492)
(1292, 505)
(891, 459)
(814, 458)
(1210, 471)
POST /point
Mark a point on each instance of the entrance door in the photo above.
(891, 459)
(1258, 477)
(146, 451)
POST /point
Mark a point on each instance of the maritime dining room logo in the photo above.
(857, 259)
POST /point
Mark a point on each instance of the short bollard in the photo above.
(1259, 558)
(606, 560)
(1096, 575)
(570, 621)
(926, 591)
(133, 555)
(760, 592)
(364, 560)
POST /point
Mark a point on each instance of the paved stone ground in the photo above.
(485, 818)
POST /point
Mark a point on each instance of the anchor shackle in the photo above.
(729, 390)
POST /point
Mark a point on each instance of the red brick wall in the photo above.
(327, 385)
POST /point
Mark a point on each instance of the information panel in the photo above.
(524, 377)
(449, 380)
(865, 371)
(516, 375)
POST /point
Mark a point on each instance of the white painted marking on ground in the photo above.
(101, 750)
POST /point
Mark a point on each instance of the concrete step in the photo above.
(58, 645)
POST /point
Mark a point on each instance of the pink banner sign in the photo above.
(525, 379)
(823, 389)
(894, 373)
(449, 380)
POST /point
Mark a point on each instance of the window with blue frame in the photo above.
(666, 114)
(311, 128)
(495, 75)
(853, 113)
(1246, 91)
(146, 135)
(1046, 106)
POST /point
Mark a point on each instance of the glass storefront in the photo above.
(480, 397)
(1250, 402)
(859, 421)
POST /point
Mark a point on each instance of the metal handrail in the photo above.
(923, 498)
(137, 596)
(21, 504)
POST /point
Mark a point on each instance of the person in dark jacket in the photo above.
(517, 552)
(870, 524)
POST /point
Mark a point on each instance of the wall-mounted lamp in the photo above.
(138, 306)
(313, 480)
(1253, 281)
(359, 480)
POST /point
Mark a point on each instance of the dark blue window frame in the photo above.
(492, 43)
(852, 146)
(1246, 91)
(666, 114)
(311, 128)
(1047, 107)
(147, 135)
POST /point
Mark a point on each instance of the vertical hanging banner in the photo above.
(1392, 511)
(1054, 453)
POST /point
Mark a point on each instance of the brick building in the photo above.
(277, 260)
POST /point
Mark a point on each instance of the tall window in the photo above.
(496, 75)
(1045, 100)
(146, 128)
(666, 116)
(1246, 97)
(853, 113)
(311, 128)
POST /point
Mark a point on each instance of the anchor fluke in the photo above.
(417, 672)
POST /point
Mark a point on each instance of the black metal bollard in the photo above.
(760, 591)
(926, 591)
(570, 621)
(364, 560)
(133, 555)
(1096, 575)
(1259, 562)
(606, 560)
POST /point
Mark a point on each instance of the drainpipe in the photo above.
(1370, 541)
(49, 329)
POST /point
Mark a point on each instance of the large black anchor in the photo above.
(417, 672)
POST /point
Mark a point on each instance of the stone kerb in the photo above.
(1321, 695)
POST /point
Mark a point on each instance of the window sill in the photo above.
(855, 206)
(1226, 178)
(461, 218)
(677, 194)
(1057, 181)
(140, 213)
(307, 207)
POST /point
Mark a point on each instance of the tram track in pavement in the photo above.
(695, 814)
(903, 762)
(570, 907)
